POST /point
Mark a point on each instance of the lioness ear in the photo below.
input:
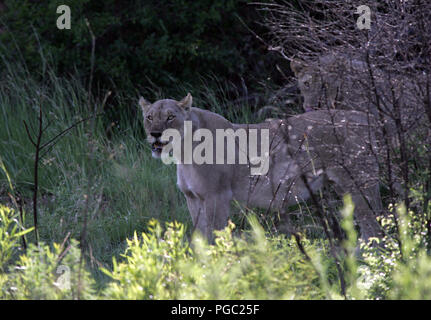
(186, 103)
(144, 104)
(296, 66)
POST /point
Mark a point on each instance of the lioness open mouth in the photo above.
(158, 146)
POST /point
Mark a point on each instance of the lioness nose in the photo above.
(156, 134)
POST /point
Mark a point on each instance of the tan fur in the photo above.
(313, 147)
(328, 83)
(336, 81)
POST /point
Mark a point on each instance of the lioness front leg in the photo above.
(195, 206)
(215, 213)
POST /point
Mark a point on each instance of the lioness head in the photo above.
(161, 115)
(317, 82)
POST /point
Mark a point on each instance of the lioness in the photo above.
(337, 81)
(305, 151)
(332, 81)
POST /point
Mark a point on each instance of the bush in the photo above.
(164, 266)
(399, 268)
(40, 272)
(47, 274)
(9, 235)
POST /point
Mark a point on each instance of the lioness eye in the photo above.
(150, 118)
(307, 84)
(171, 117)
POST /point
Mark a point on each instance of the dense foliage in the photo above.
(138, 43)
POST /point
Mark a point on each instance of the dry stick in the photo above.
(36, 175)
(327, 233)
(37, 146)
(403, 148)
(336, 228)
(38, 156)
(386, 139)
(18, 204)
(93, 49)
(54, 140)
(62, 250)
(324, 224)
(381, 120)
(28, 134)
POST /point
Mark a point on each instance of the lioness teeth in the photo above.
(158, 145)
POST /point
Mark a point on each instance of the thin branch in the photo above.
(59, 135)
(28, 134)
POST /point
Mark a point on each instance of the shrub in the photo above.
(49, 273)
(9, 235)
(399, 268)
(40, 272)
(163, 266)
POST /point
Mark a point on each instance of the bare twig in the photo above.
(52, 142)
(325, 226)
(37, 146)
